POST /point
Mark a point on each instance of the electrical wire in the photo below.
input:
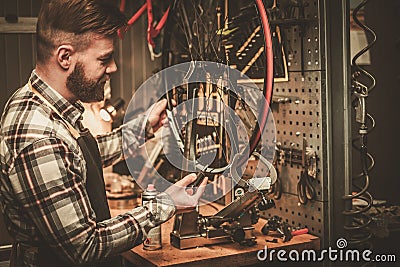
(359, 235)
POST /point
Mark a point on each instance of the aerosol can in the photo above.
(153, 240)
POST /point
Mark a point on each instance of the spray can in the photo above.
(153, 240)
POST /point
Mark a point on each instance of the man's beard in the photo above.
(84, 89)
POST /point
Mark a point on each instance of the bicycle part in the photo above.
(152, 30)
(204, 30)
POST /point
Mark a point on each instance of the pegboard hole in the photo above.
(299, 214)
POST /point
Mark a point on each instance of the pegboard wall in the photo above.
(301, 117)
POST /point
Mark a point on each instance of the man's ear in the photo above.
(64, 53)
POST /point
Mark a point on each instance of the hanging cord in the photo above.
(358, 233)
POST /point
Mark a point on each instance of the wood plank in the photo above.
(12, 63)
(24, 25)
(3, 77)
(26, 57)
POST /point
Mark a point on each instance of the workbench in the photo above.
(229, 254)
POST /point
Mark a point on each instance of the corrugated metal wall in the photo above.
(17, 53)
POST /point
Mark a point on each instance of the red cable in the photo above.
(122, 5)
(268, 82)
(269, 70)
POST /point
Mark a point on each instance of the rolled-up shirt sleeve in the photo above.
(48, 182)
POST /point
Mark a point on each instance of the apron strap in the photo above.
(71, 128)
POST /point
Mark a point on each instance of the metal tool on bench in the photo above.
(277, 224)
(234, 223)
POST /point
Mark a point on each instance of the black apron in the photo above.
(95, 187)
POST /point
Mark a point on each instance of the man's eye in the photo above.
(105, 60)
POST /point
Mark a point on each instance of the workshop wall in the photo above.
(18, 53)
(301, 120)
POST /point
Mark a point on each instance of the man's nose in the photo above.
(112, 67)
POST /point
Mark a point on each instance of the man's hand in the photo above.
(183, 198)
(157, 116)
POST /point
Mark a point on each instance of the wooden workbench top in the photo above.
(229, 254)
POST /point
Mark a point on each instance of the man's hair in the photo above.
(75, 22)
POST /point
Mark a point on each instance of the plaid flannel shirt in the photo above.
(43, 174)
